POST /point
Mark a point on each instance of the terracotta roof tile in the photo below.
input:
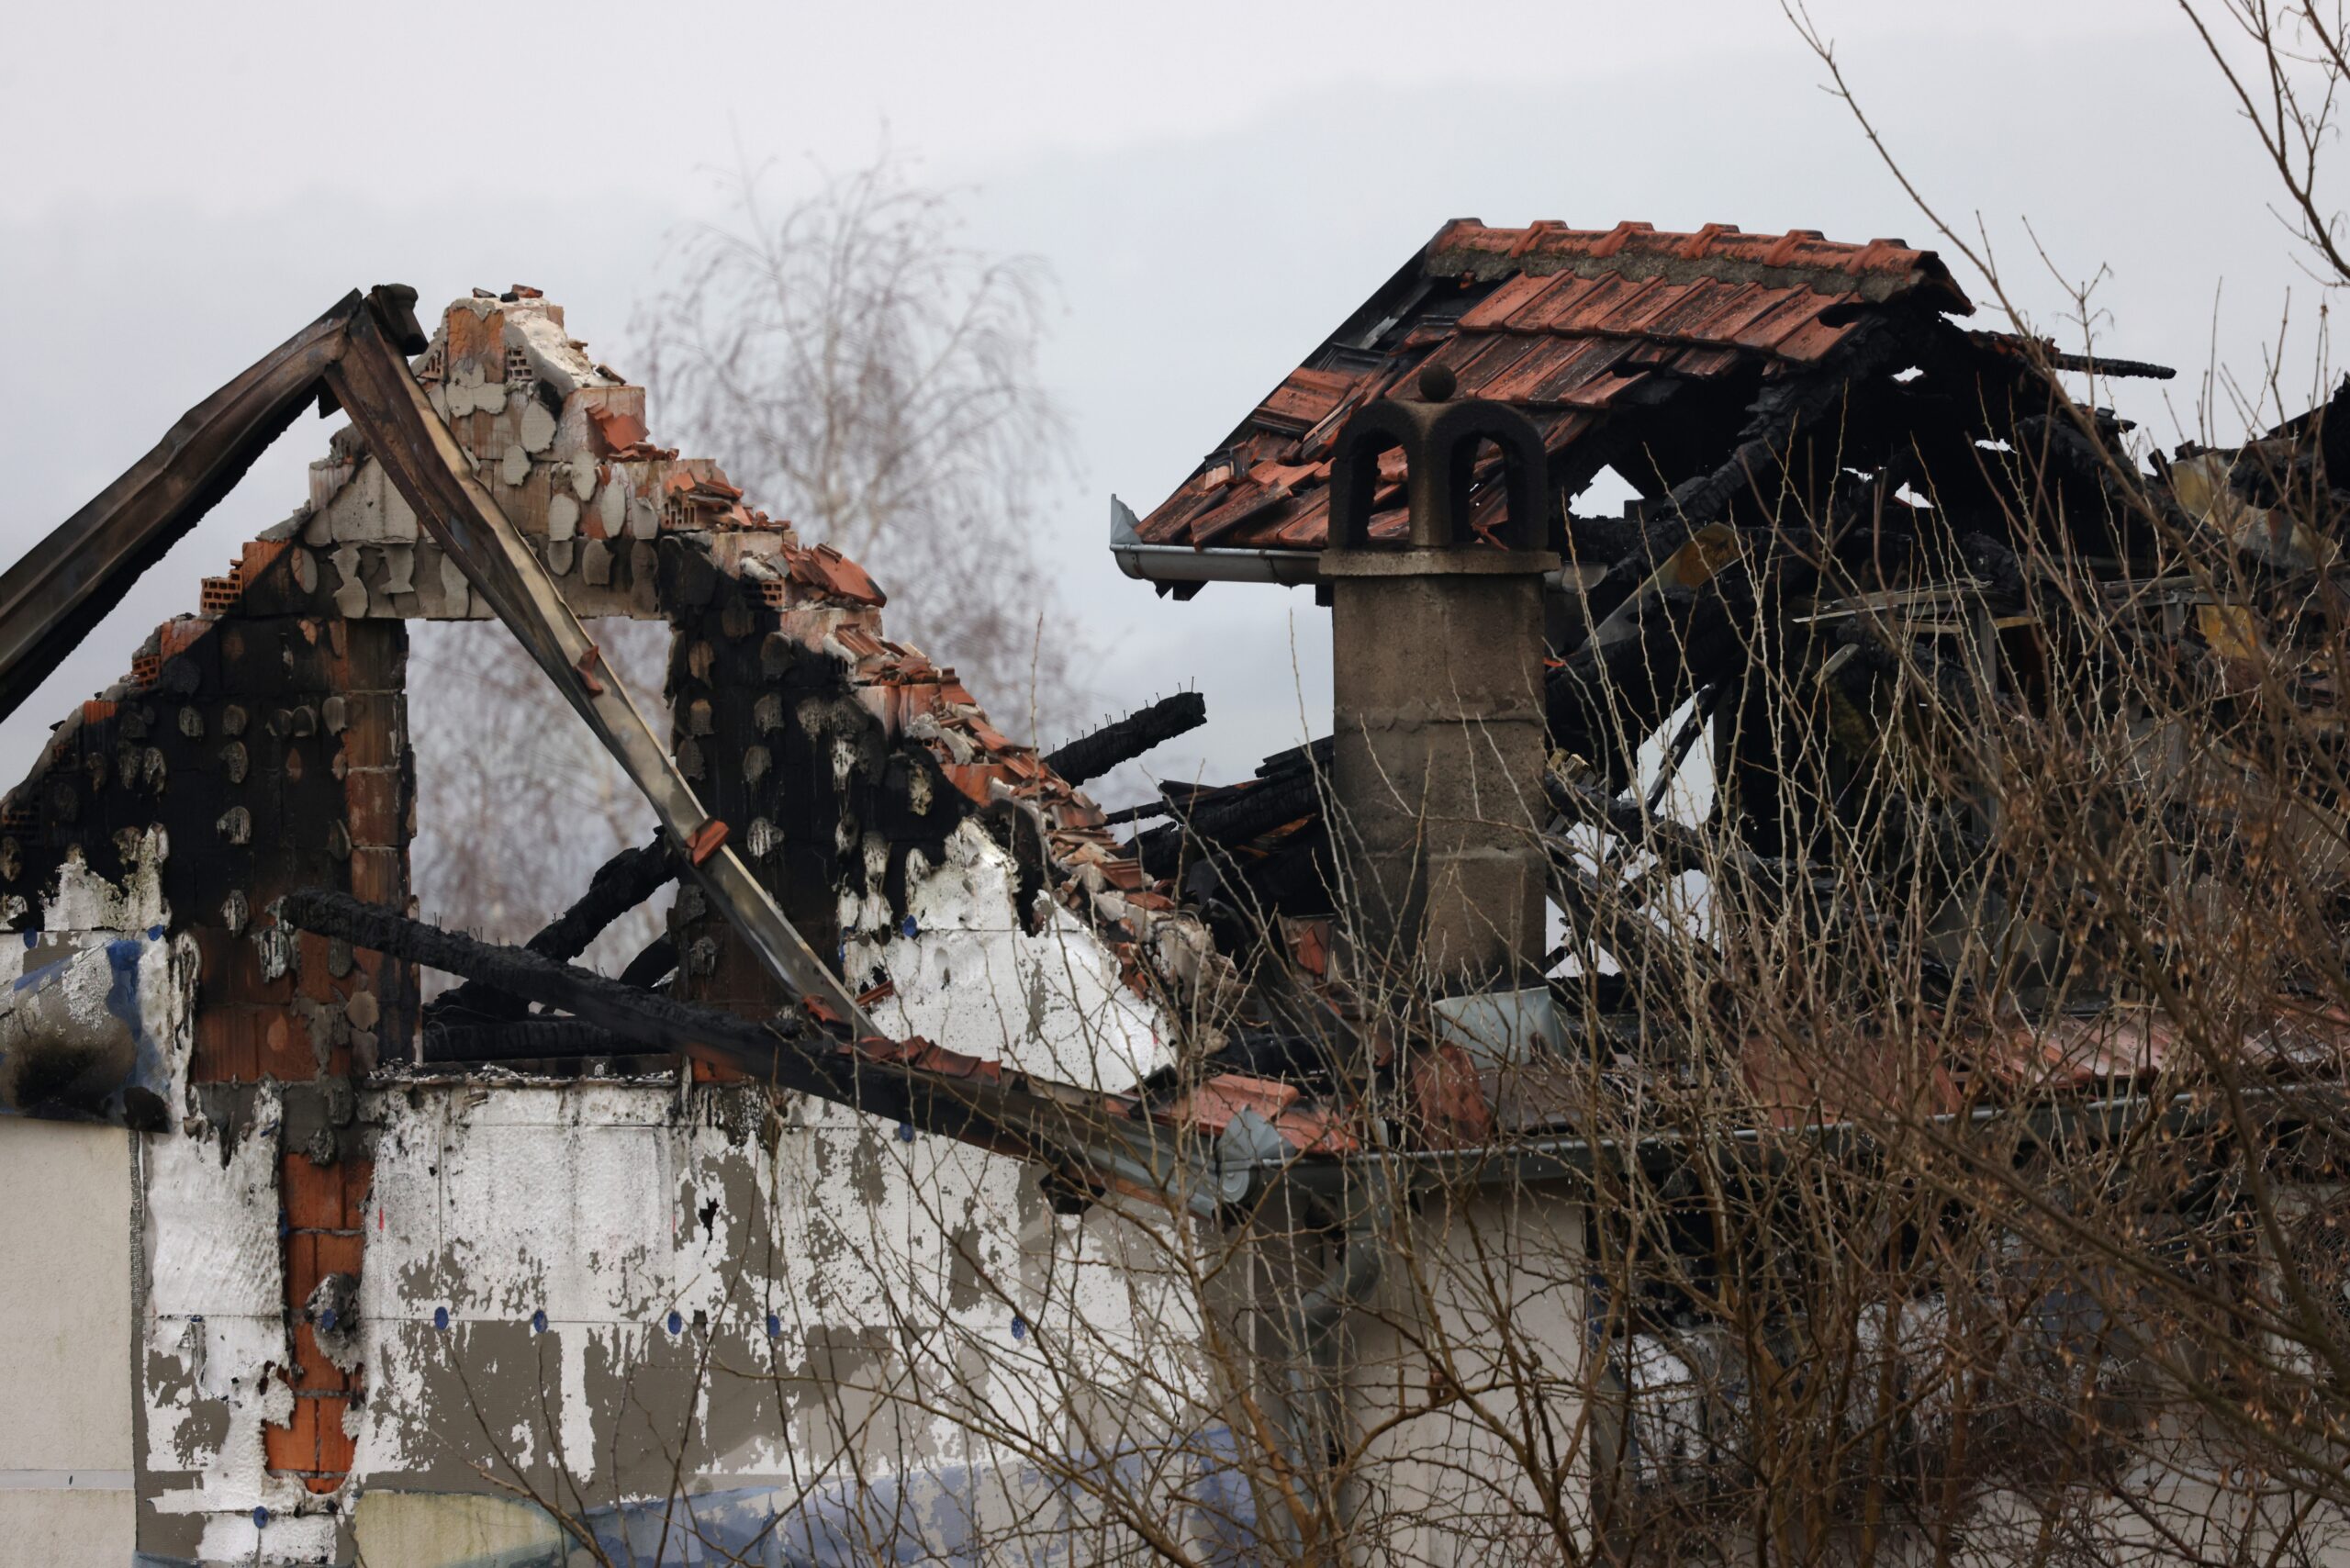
(1564, 322)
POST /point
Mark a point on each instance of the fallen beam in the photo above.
(1073, 1129)
(1230, 817)
(653, 1022)
(619, 884)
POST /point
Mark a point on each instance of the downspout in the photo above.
(1316, 1400)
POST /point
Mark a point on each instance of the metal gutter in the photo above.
(1287, 569)
(1182, 563)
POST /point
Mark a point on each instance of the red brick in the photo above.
(338, 1254)
(176, 637)
(228, 1047)
(379, 876)
(294, 1446)
(317, 982)
(335, 1450)
(302, 1270)
(480, 338)
(286, 1051)
(371, 655)
(311, 1195)
(358, 1175)
(372, 807)
(230, 965)
(371, 730)
(320, 1375)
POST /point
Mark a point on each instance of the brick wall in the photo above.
(269, 746)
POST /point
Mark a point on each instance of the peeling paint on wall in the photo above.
(372, 1294)
(93, 1004)
(969, 975)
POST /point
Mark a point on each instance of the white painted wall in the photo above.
(66, 1273)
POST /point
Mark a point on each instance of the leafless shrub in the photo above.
(1942, 1160)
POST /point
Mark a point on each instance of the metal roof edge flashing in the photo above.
(1288, 568)
(1184, 563)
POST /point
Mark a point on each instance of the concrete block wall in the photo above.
(65, 1451)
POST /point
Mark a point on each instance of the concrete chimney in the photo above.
(1440, 735)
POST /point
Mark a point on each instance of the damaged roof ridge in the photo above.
(1654, 315)
(1879, 271)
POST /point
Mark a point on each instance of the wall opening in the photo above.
(516, 802)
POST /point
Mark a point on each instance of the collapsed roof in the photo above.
(1836, 482)
(1784, 406)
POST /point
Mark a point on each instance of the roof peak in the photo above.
(1799, 257)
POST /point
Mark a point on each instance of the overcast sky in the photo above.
(1215, 186)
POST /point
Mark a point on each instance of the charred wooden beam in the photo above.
(1090, 757)
(519, 1039)
(622, 883)
(1231, 816)
(62, 587)
(1776, 447)
(657, 958)
(651, 1021)
(436, 478)
(1071, 1128)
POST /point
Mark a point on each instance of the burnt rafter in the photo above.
(1091, 755)
(62, 587)
(1091, 1137)
(622, 883)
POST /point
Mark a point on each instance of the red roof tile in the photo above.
(1562, 322)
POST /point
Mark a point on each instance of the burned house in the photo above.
(822, 1232)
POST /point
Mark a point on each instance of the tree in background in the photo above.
(517, 803)
(875, 379)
